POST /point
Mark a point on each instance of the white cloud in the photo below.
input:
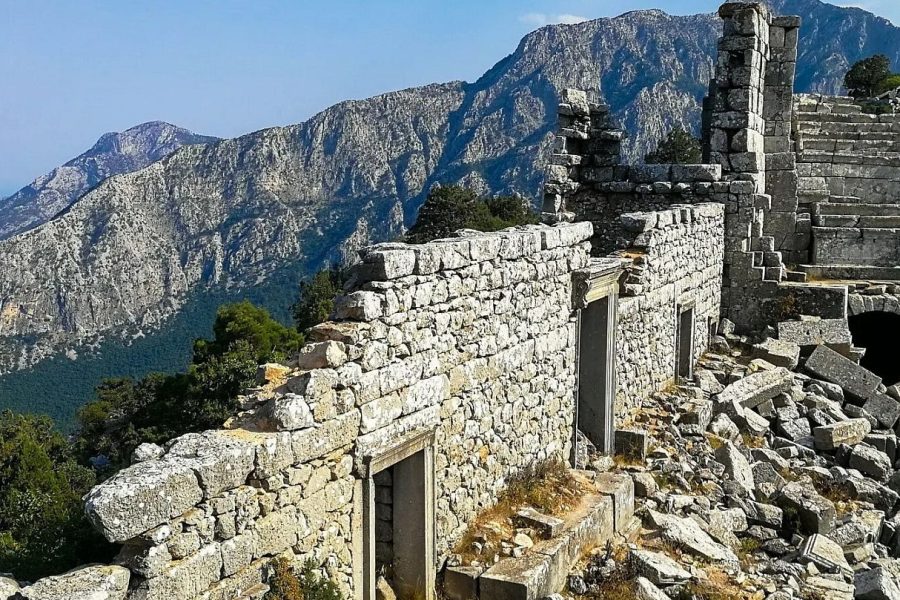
(541, 19)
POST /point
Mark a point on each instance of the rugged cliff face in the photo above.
(113, 154)
(135, 249)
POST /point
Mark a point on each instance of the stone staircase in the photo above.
(848, 164)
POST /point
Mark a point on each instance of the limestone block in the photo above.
(8, 587)
(657, 567)
(884, 408)
(827, 364)
(778, 352)
(95, 582)
(737, 467)
(621, 488)
(825, 554)
(756, 388)
(278, 531)
(851, 432)
(461, 583)
(814, 332)
(142, 496)
(288, 412)
(322, 354)
(645, 590)
(814, 513)
(187, 578)
(146, 452)
(687, 534)
(870, 461)
(358, 306)
(390, 261)
(329, 436)
(876, 584)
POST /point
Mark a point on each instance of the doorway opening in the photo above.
(596, 372)
(398, 520)
(684, 344)
(878, 333)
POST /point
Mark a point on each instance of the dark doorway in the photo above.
(878, 333)
(684, 342)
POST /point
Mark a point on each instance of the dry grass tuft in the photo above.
(549, 487)
(718, 585)
(753, 441)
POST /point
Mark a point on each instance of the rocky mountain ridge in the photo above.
(132, 252)
(113, 154)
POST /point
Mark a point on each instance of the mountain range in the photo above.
(123, 272)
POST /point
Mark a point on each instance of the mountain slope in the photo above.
(114, 153)
(223, 217)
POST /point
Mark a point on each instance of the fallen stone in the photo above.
(795, 430)
(688, 535)
(658, 568)
(645, 590)
(644, 484)
(767, 515)
(724, 427)
(318, 355)
(780, 353)
(756, 388)
(815, 332)
(545, 525)
(271, 372)
(884, 408)
(737, 467)
(827, 364)
(852, 432)
(708, 381)
(631, 443)
(814, 513)
(146, 452)
(523, 540)
(695, 416)
(825, 554)
(94, 582)
(826, 588)
(871, 461)
(383, 590)
(876, 584)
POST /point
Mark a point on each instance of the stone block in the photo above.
(141, 497)
(687, 534)
(815, 332)
(657, 567)
(187, 578)
(851, 432)
(631, 443)
(870, 461)
(780, 353)
(737, 468)
(884, 408)
(288, 412)
(827, 364)
(546, 526)
(756, 388)
(95, 582)
(814, 513)
(461, 583)
(620, 488)
(825, 554)
(876, 584)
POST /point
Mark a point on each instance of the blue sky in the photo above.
(72, 70)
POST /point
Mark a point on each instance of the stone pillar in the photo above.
(781, 172)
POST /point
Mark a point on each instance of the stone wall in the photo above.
(677, 257)
(471, 338)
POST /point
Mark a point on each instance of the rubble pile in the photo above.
(775, 469)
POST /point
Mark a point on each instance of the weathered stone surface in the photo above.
(814, 513)
(884, 408)
(146, 452)
(737, 467)
(461, 583)
(8, 587)
(97, 582)
(688, 535)
(876, 584)
(831, 366)
(657, 567)
(756, 388)
(780, 353)
(184, 579)
(871, 462)
(851, 432)
(289, 412)
(645, 590)
(141, 497)
(815, 332)
(222, 460)
(825, 553)
(545, 525)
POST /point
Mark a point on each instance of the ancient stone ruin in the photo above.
(694, 321)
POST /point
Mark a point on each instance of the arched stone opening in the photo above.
(879, 333)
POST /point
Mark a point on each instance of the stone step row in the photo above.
(851, 272)
(866, 136)
(833, 145)
(857, 221)
(837, 207)
(869, 158)
(847, 127)
(816, 117)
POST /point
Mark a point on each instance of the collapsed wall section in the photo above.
(465, 346)
(677, 267)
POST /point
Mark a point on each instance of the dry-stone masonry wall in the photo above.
(471, 338)
(677, 266)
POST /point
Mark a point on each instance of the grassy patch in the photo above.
(753, 441)
(549, 487)
(718, 585)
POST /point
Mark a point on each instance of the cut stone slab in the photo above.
(825, 553)
(871, 461)
(461, 583)
(884, 408)
(851, 432)
(94, 582)
(827, 364)
(658, 568)
(814, 513)
(876, 584)
(780, 353)
(631, 443)
(756, 388)
(696, 415)
(827, 588)
(816, 332)
(620, 488)
(546, 526)
(687, 534)
(708, 381)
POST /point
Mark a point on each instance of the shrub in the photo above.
(286, 584)
(43, 530)
(866, 75)
(678, 147)
(449, 208)
(316, 299)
